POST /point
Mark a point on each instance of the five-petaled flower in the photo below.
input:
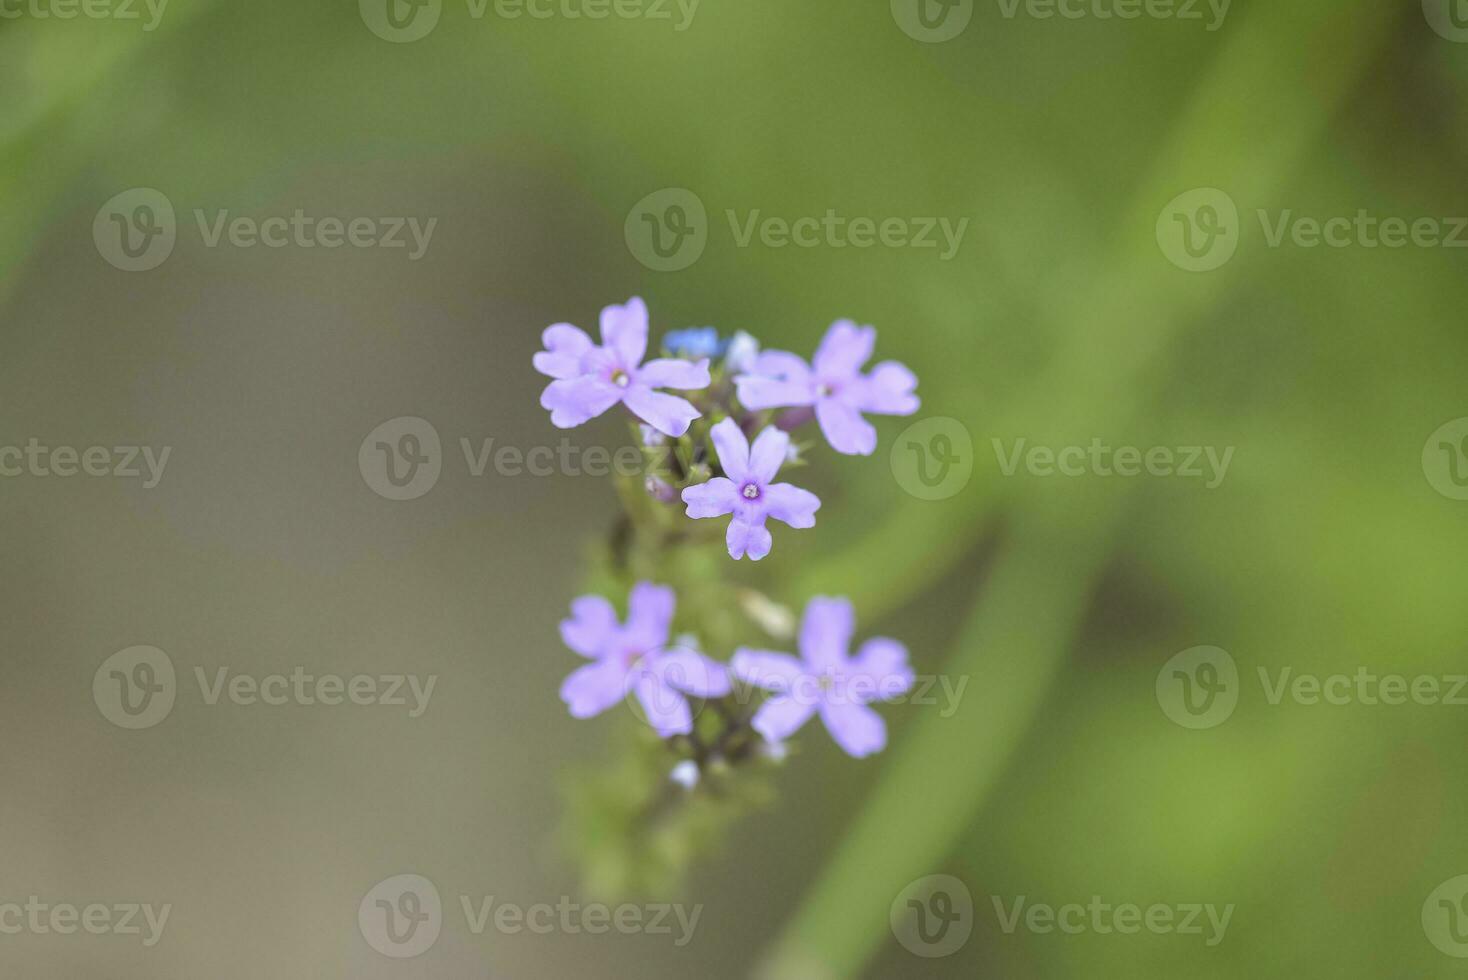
(745, 490)
(827, 679)
(834, 386)
(636, 657)
(591, 379)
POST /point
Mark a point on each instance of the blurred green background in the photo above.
(1059, 320)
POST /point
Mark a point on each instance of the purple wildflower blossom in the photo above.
(834, 386)
(827, 680)
(635, 657)
(745, 491)
(591, 379)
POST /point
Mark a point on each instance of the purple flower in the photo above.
(591, 379)
(746, 492)
(635, 657)
(834, 386)
(827, 680)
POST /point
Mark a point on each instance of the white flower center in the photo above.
(750, 491)
(620, 378)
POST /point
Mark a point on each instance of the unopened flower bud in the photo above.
(660, 489)
(685, 774)
(770, 616)
(743, 349)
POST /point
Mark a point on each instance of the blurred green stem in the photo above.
(1269, 97)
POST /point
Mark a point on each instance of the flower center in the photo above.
(825, 389)
(631, 658)
(620, 378)
(750, 491)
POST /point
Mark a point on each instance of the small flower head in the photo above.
(834, 386)
(636, 657)
(747, 491)
(694, 342)
(589, 379)
(685, 774)
(826, 679)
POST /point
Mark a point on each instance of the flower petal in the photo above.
(593, 622)
(624, 330)
(768, 453)
(693, 673)
(668, 414)
(713, 498)
(594, 688)
(845, 429)
(747, 538)
(767, 669)
(649, 616)
(844, 349)
(673, 372)
(757, 393)
(825, 632)
(564, 345)
(780, 717)
(791, 505)
(733, 449)
(888, 390)
(859, 730)
(781, 365)
(666, 710)
(882, 665)
(573, 401)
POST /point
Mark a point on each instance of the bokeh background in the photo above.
(1326, 548)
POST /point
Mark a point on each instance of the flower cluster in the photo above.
(589, 379)
(715, 417)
